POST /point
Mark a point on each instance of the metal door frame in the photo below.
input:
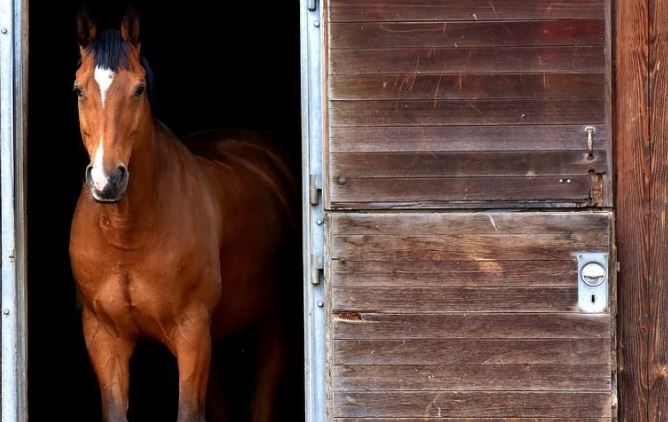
(311, 44)
(13, 118)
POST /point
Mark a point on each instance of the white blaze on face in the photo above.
(104, 78)
(100, 178)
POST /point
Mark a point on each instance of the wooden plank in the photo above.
(369, 326)
(464, 138)
(467, 112)
(531, 275)
(420, 191)
(455, 299)
(471, 377)
(550, 246)
(632, 204)
(482, 352)
(471, 404)
(414, 61)
(345, 272)
(446, 419)
(454, 87)
(463, 164)
(658, 224)
(466, 34)
(462, 10)
(469, 223)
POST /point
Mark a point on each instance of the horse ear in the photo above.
(130, 27)
(86, 29)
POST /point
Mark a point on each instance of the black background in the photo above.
(217, 64)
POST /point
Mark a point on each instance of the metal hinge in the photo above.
(317, 268)
(315, 189)
(312, 5)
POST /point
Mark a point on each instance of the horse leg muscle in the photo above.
(192, 347)
(110, 354)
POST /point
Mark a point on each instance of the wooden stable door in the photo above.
(467, 179)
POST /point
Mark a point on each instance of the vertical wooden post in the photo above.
(633, 164)
(658, 224)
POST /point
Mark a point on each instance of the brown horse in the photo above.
(169, 244)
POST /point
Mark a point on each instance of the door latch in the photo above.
(593, 282)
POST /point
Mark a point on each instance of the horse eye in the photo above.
(139, 90)
(78, 91)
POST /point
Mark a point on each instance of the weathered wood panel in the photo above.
(464, 138)
(633, 162)
(511, 377)
(441, 351)
(491, 60)
(466, 86)
(454, 299)
(463, 10)
(448, 192)
(464, 303)
(476, 34)
(361, 325)
(534, 73)
(468, 112)
(471, 404)
(658, 224)
(497, 223)
(430, 164)
(446, 419)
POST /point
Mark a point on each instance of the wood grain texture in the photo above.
(490, 60)
(567, 352)
(465, 164)
(366, 326)
(438, 192)
(466, 86)
(462, 10)
(446, 419)
(632, 204)
(511, 377)
(454, 299)
(469, 34)
(658, 222)
(464, 138)
(469, 223)
(467, 112)
(535, 246)
(471, 404)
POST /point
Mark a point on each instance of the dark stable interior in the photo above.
(216, 65)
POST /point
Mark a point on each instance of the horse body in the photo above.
(190, 253)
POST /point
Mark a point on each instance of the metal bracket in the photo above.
(317, 268)
(315, 189)
(593, 279)
(591, 130)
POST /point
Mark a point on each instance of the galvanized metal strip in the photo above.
(13, 72)
(314, 310)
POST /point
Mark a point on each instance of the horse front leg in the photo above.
(110, 354)
(192, 347)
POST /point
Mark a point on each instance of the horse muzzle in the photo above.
(107, 188)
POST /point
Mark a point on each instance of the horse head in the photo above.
(114, 109)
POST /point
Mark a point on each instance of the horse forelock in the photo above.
(110, 52)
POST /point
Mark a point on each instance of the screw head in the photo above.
(316, 24)
(5, 311)
(3, 30)
(320, 304)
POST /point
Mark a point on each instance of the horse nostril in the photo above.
(89, 174)
(119, 175)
